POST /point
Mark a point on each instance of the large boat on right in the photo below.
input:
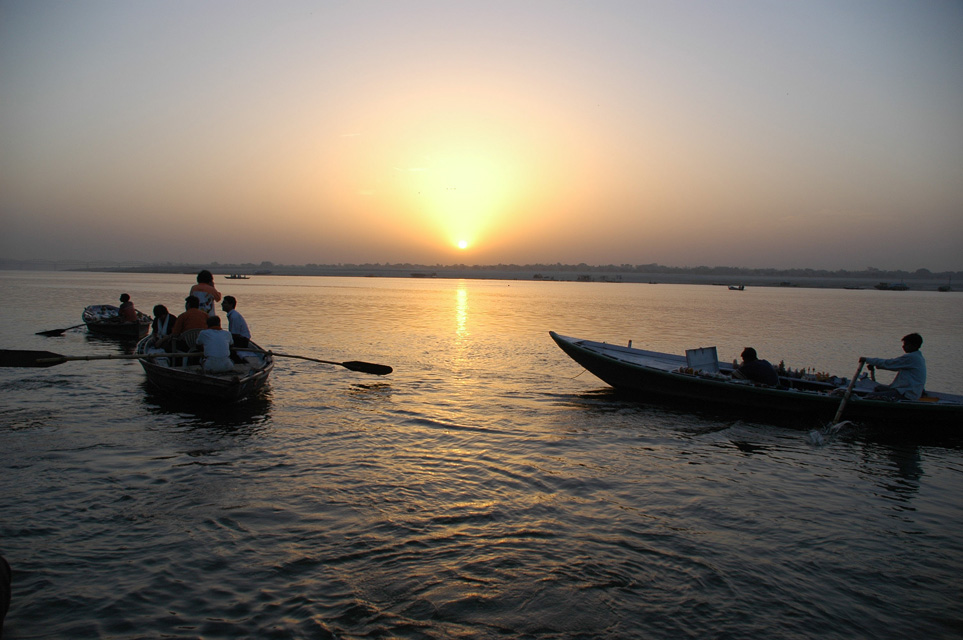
(699, 380)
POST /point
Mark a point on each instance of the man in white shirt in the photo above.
(217, 347)
(910, 367)
(235, 322)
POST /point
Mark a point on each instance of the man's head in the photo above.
(749, 354)
(912, 342)
(160, 311)
(192, 302)
(213, 322)
(228, 303)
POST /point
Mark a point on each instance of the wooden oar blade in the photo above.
(50, 333)
(368, 367)
(354, 365)
(14, 358)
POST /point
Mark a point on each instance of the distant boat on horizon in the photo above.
(885, 286)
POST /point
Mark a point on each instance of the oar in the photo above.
(354, 365)
(849, 391)
(57, 332)
(13, 358)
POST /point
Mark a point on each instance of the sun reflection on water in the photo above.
(461, 311)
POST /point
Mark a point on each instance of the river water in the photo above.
(488, 488)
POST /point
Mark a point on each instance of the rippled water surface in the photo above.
(488, 488)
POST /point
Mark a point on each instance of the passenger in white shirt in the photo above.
(235, 322)
(217, 347)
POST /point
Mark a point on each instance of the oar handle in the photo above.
(123, 356)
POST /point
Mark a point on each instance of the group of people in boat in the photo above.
(199, 313)
(910, 368)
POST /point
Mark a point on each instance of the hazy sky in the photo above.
(754, 133)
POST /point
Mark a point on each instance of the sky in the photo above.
(750, 133)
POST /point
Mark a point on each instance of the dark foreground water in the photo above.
(487, 489)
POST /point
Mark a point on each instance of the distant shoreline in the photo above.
(552, 273)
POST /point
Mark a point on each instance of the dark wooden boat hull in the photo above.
(695, 390)
(192, 383)
(98, 320)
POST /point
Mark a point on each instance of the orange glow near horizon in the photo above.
(587, 134)
(462, 197)
(442, 186)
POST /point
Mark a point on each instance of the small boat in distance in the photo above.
(737, 287)
(185, 376)
(237, 276)
(105, 320)
(887, 286)
(698, 382)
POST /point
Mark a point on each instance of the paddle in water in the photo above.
(50, 333)
(15, 358)
(353, 365)
(815, 436)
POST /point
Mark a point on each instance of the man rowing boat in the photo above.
(910, 371)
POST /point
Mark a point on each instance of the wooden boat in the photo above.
(886, 286)
(737, 287)
(186, 377)
(104, 319)
(237, 276)
(706, 382)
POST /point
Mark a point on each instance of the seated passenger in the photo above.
(217, 347)
(162, 327)
(235, 322)
(192, 318)
(126, 311)
(756, 370)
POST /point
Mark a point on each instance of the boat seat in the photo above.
(187, 341)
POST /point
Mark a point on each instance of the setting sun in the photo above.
(462, 244)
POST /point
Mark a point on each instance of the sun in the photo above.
(461, 194)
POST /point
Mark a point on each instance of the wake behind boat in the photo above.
(185, 376)
(697, 381)
(104, 319)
